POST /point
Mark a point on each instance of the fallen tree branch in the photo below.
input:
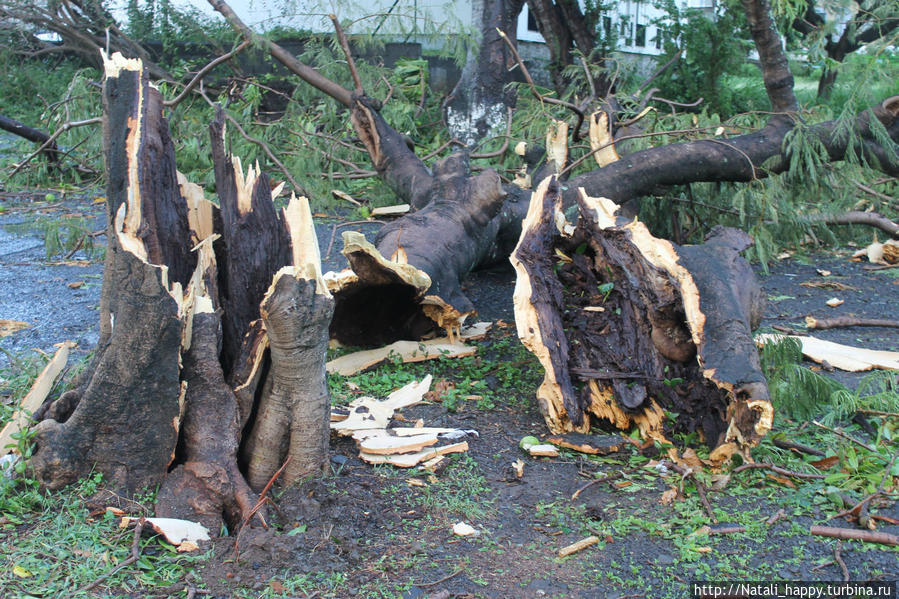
(840, 433)
(31, 134)
(848, 321)
(798, 447)
(305, 72)
(838, 546)
(51, 141)
(641, 173)
(203, 72)
(856, 217)
(776, 469)
(866, 536)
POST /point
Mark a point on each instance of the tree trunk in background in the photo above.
(479, 104)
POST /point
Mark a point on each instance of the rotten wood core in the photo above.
(628, 327)
(209, 317)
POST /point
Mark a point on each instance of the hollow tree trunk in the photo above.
(382, 299)
(184, 361)
(628, 326)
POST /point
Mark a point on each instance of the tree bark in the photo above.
(125, 422)
(628, 326)
(736, 159)
(192, 354)
(480, 101)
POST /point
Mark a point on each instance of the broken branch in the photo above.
(847, 321)
(866, 536)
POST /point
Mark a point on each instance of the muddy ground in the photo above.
(370, 531)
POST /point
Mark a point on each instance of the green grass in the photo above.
(52, 545)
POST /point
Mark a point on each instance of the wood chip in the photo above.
(412, 459)
(590, 444)
(844, 357)
(463, 529)
(396, 210)
(834, 302)
(580, 545)
(544, 450)
(8, 327)
(75, 284)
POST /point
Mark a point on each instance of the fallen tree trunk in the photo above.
(208, 316)
(31, 134)
(629, 327)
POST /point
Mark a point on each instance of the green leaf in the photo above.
(298, 530)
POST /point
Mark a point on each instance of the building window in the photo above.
(640, 40)
(607, 26)
(532, 22)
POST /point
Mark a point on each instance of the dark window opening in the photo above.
(641, 36)
(607, 26)
(532, 22)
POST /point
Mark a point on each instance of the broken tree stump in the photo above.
(208, 316)
(629, 327)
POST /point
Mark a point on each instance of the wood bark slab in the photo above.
(39, 391)
(628, 326)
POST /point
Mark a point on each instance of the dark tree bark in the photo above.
(736, 159)
(158, 407)
(565, 28)
(628, 326)
(126, 419)
(479, 103)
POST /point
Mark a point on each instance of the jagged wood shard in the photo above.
(628, 326)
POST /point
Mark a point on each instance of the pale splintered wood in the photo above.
(408, 351)
(411, 459)
(601, 139)
(370, 413)
(41, 388)
(388, 445)
(844, 357)
(396, 210)
(175, 530)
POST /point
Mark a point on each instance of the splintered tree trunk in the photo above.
(409, 281)
(628, 326)
(124, 420)
(208, 316)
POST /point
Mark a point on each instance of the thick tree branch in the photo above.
(736, 159)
